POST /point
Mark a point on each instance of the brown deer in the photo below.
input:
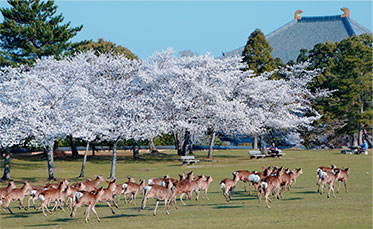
(294, 175)
(4, 191)
(159, 193)
(343, 177)
(34, 193)
(17, 194)
(324, 169)
(53, 194)
(69, 194)
(330, 178)
(196, 186)
(134, 189)
(270, 184)
(226, 184)
(183, 187)
(108, 195)
(243, 176)
(204, 185)
(88, 199)
(90, 185)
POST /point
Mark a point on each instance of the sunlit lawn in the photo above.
(301, 207)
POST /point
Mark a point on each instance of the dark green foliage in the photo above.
(257, 53)
(102, 46)
(348, 70)
(31, 30)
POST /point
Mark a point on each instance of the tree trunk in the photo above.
(7, 159)
(186, 144)
(262, 145)
(152, 147)
(354, 143)
(50, 160)
(74, 150)
(84, 160)
(93, 149)
(255, 143)
(211, 144)
(135, 149)
(179, 142)
(114, 161)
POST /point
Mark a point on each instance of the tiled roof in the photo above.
(306, 33)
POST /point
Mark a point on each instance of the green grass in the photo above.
(301, 207)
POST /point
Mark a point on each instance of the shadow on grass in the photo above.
(64, 220)
(19, 214)
(42, 225)
(118, 216)
(294, 198)
(227, 207)
(307, 192)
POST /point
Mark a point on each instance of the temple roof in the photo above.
(306, 32)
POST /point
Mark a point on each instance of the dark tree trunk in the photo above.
(211, 145)
(135, 149)
(50, 160)
(74, 150)
(114, 161)
(93, 149)
(84, 160)
(262, 144)
(178, 142)
(186, 144)
(7, 158)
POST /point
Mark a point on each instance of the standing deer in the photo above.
(159, 193)
(343, 177)
(330, 178)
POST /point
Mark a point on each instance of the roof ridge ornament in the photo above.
(346, 12)
(297, 14)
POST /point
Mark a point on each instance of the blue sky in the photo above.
(201, 26)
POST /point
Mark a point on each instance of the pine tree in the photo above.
(102, 46)
(31, 30)
(257, 53)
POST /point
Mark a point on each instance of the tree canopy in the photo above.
(30, 30)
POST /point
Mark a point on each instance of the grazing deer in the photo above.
(204, 185)
(132, 188)
(330, 178)
(53, 194)
(243, 176)
(159, 193)
(270, 184)
(17, 194)
(226, 184)
(88, 199)
(343, 177)
(4, 191)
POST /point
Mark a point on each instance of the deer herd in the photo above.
(271, 180)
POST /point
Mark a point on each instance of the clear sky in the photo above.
(201, 26)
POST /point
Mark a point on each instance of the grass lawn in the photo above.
(301, 207)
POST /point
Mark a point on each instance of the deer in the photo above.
(159, 193)
(90, 185)
(243, 176)
(107, 195)
(204, 185)
(17, 194)
(256, 177)
(196, 186)
(134, 189)
(53, 194)
(343, 177)
(285, 179)
(270, 184)
(330, 178)
(294, 175)
(89, 199)
(69, 194)
(4, 191)
(324, 169)
(226, 184)
(34, 193)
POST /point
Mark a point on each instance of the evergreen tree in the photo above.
(257, 53)
(348, 71)
(31, 30)
(102, 46)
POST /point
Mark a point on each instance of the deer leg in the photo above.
(345, 183)
(250, 184)
(266, 199)
(156, 206)
(166, 206)
(87, 214)
(197, 194)
(6, 205)
(134, 198)
(94, 211)
(181, 198)
(108, 204)
(244, 185)
(42, 208)
(206, 194)
(143, 204)
(339, 186)
(114, 203)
